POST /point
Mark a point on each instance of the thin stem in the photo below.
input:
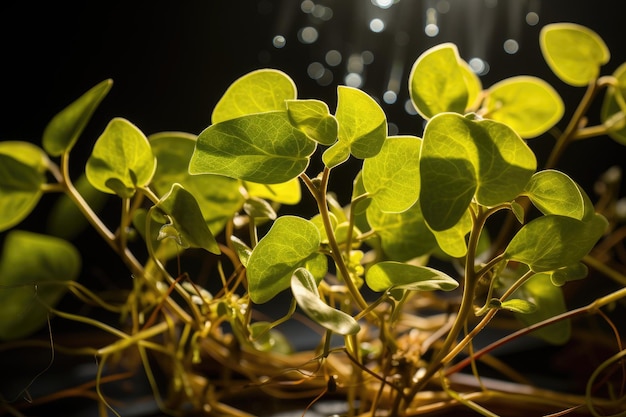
(319, 193)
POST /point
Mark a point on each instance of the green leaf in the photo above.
(34, 269)
(314, 119)
(259, 91)
(304, 288)
(289, 192)
(288, 245)
(388, 275)
(551, 242)
(336, 154)
(529, 105)
(242, 250)
(518, 306)
(464, 159)
(263, 148)
(613, 113)
(549, 302)
(452, 241)
(403, 236)
(26, 153)
(64, 129)
(392, 176)
(186, 218)
(20, 190)
(569, 273)
(362, 122)
(437, 82)
(553, 192)
(121, 161)
(574, 53)
(218, 196)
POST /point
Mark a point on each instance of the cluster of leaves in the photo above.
(414, 198)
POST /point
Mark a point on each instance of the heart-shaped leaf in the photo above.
(263, 148)
(437, 82)
(392, 176)
(288, 245)
(464, 159)
(121, 160)
(386, 275)
(362, 122)
(529, 105)
(64, 129)
(553, 192)
(304, 289)
(259, 91)
(551, 242)
(34, 269)
(575, 53)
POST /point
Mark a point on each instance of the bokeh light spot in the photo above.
(377, 25)
(333, 57)
(279, 41)
(511, 46)
(307, 34)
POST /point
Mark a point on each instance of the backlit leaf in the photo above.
(64, 129)
(263, 148)
(437, 82)
(259, 91)
(551, 242)
(386, 275)
(362, 122)
(314, 119)
(121, 160)
(289, 192)
(574, 53)
(464, 159)
(288, 245)
(553, 192)
(304, 288)
(26, 153)
(392, 176)
(34, 270)
(529, 105)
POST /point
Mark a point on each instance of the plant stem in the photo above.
(319, 193)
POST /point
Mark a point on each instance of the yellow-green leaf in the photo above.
(314, 119)
(575, 53)
(527, 104)
(263, 148)
(392, 177)
(256, 92)
(64, 129)
(386, 275)
(362, 122)
(121, 160)
(289, 192)
(438, 82)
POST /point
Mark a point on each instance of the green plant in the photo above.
(360, 271)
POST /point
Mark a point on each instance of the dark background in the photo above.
(171, 62)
